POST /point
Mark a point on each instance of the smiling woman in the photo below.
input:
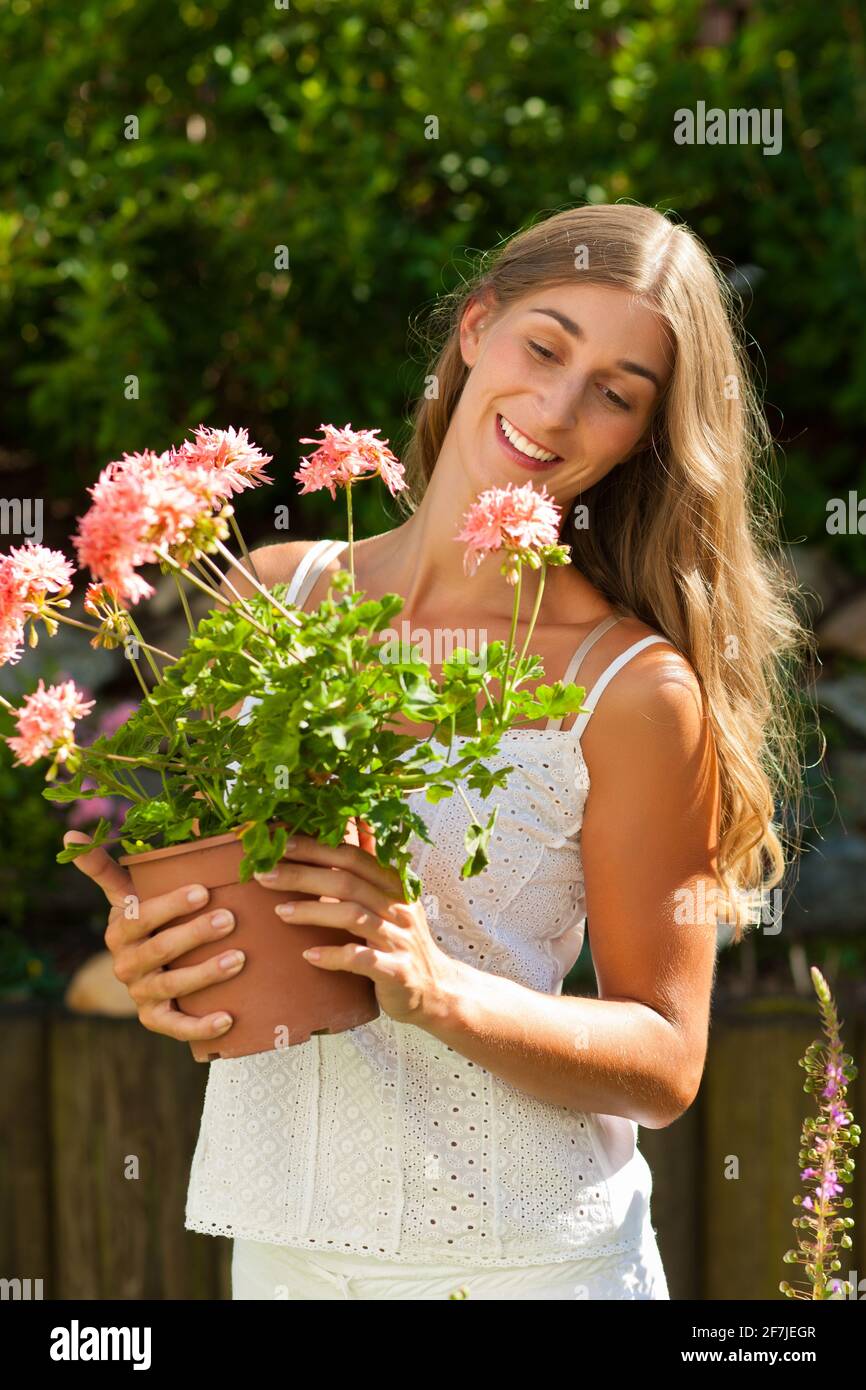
(485, 1124)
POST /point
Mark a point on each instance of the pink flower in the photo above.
(520, 520)
(35, 570)
(46, 722)
(96, 596)
(27, 575)
(111, 534)
(346, 455)
(172, 501)
(229, 454)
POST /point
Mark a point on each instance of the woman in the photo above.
(483, 1130)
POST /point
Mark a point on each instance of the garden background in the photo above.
(154, 160)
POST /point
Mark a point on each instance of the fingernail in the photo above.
(312, 954)
(266, 878)
(233, 958)
(291, 844)
(222, 919)
(222, 1022)
(197, 895)
(285, 909)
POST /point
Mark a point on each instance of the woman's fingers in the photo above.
(366, 837)
(355, 858)
(340, 884)
(343, 916)
(136, 918)
(139, 958)
(173, 984)
(167, 1019)
(114, 881)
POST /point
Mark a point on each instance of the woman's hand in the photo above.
(141, 959)
(415, 981)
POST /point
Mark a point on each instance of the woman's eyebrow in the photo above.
(577, 332)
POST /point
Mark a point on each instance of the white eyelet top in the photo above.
(385, 1141)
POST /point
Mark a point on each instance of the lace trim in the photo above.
(433, 1256)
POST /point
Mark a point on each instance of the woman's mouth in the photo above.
(522, 450)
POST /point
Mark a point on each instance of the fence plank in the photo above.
(754, 1107)
(126, 1105)
(673, 1155)
(101, 1118)
(25, 1154)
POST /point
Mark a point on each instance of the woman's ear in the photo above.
(476, 317)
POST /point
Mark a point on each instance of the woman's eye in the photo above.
(541, 351)
(615, 399)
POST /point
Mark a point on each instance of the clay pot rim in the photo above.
(182, 847)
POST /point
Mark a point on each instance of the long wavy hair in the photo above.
(684, 534)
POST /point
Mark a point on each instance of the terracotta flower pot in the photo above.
(277, 999)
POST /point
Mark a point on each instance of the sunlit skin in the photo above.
(651, 820)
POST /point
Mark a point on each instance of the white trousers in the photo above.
(264, 1271)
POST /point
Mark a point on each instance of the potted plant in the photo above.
(315, 753)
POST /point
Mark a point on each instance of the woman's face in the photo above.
(575, 369)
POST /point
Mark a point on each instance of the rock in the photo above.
(95, 989)
(845, 629)
(846, 697)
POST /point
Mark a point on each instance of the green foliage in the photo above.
(315, 750)
(307, 128)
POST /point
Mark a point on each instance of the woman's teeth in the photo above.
(525, 446)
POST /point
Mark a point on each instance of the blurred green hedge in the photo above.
(304, 127)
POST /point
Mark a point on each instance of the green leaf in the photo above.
(477, 840)
(98, 836)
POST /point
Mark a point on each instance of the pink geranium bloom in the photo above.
(46, 722)
(27, 575)
(520, 520)
(111, 534)
(36, 570)
(148, 501)
(346, 455)
(229, 454)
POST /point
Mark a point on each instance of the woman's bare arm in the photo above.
(649, 835)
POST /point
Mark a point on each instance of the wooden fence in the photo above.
(100, 1117)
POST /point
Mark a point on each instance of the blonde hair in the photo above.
(685, 533)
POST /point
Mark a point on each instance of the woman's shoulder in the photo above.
(277, 562)
(656, 686)
(655, 664)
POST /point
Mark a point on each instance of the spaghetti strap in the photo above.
(607, 675)
(310, 567)
(589, 641)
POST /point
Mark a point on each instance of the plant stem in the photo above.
(351, 534)
(207, 588)
(205, 559)
(510, 647)
(265, 593)
(137, 634)
(536, 607)
(242, 543)
(184, 602)
(466, 800)
(86, 627)
(142, 682)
